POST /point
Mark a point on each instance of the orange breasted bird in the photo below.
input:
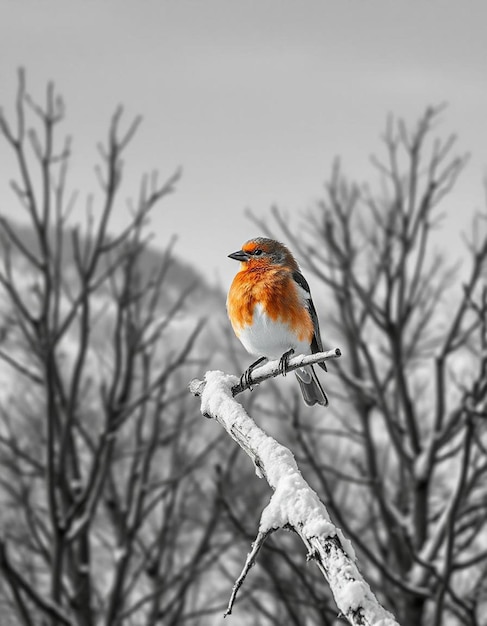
(271, 311)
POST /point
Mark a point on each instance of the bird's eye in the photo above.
(258, 252)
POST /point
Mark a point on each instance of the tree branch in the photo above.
(47, 606)
(249, 562)
(293, 504)
(270, 370)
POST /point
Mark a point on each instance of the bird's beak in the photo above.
(240, 255)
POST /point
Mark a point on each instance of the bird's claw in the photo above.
(246, 379)
(284, 361)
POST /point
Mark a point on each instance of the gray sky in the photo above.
(253, 98)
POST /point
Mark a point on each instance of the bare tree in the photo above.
(97, 454)
(404, 469)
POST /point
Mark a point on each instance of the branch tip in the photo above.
(249, 562)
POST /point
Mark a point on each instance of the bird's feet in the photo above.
(284, 361)
(246, 378)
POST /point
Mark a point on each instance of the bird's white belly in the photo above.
(270, 338)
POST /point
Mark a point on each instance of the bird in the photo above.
(272, 313)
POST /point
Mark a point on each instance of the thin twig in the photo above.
(271, 370)
(249, 562)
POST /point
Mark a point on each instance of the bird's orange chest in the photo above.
(276, 293)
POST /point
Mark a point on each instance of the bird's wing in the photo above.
(316, 344)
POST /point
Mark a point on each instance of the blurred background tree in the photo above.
(403, 465)
(120, 505)
(101, 505)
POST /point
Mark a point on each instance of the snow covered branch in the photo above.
(271, 370)
(293, 505)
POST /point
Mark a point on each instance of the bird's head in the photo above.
(262, 252)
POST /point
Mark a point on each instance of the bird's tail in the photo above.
(310, 386)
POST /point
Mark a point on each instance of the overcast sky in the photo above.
(254, 99)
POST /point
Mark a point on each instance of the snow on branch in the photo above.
(293, 505)
(270, 370)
